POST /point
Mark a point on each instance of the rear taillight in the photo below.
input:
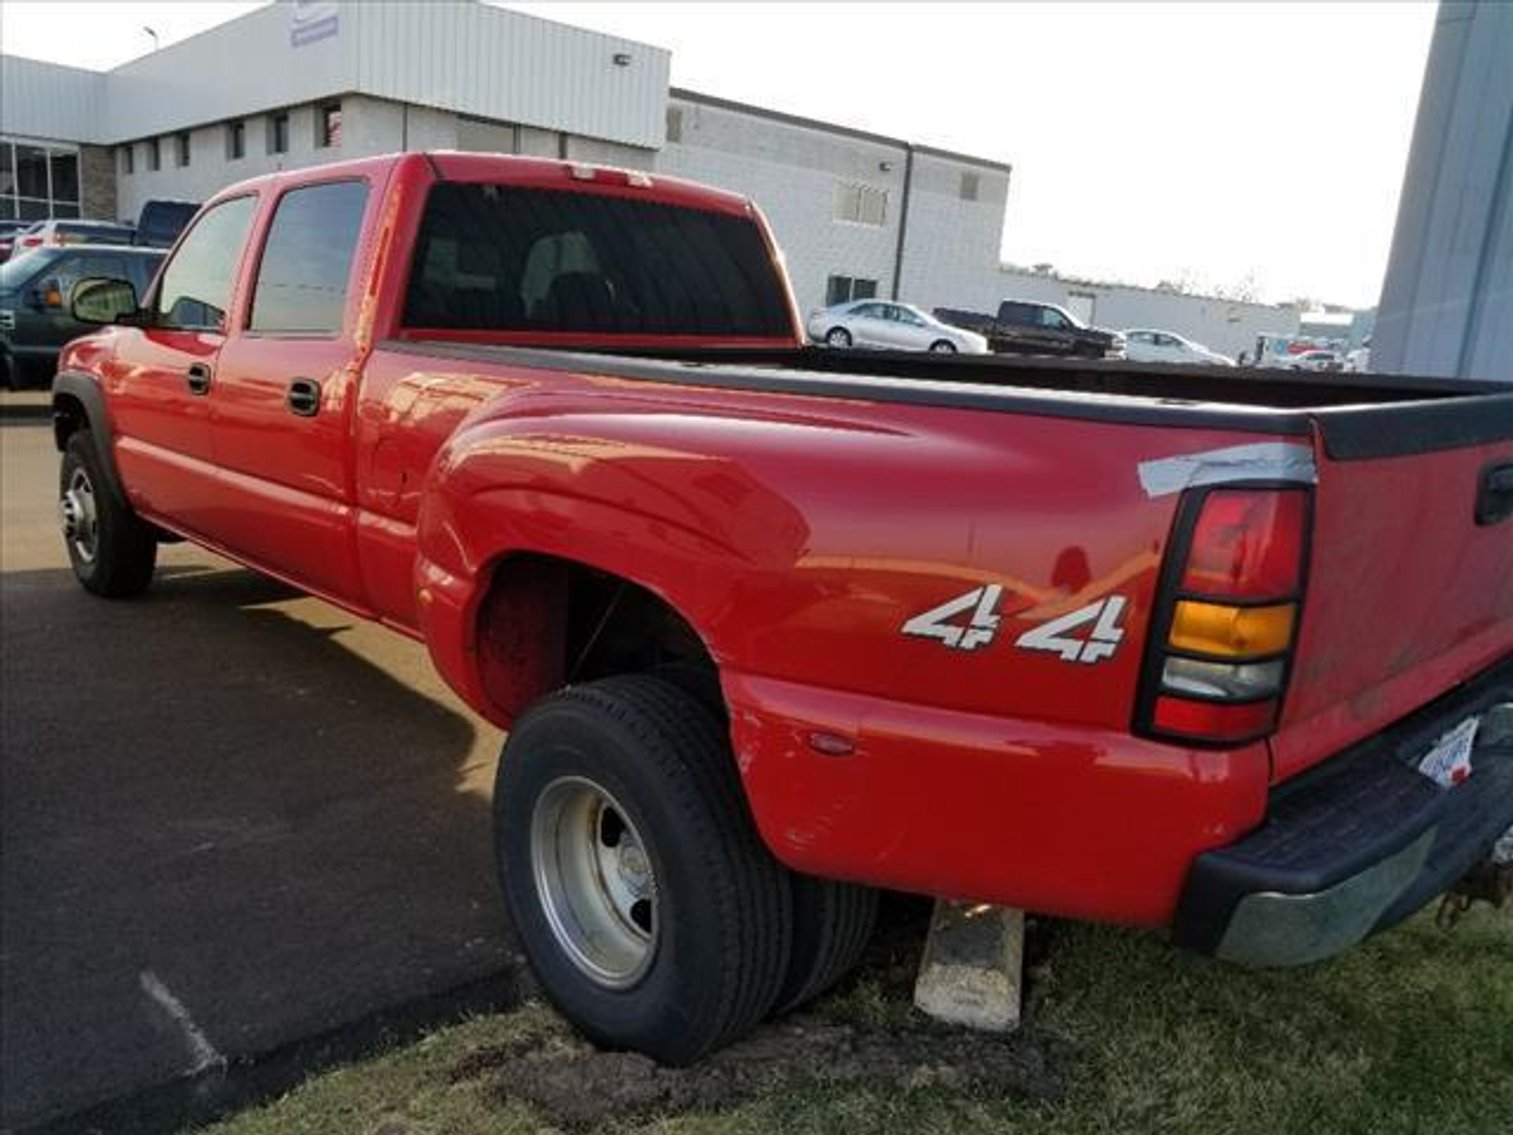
(1226, 616)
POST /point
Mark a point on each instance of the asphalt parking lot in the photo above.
(232, 818)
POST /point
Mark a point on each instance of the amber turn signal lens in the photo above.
(1222, 631)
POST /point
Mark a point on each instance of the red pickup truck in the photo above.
(770, 627)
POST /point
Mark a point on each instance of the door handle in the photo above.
(304, 397)
(198, 378)
(1494, 499)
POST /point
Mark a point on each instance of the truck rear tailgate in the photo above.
(1408, 593)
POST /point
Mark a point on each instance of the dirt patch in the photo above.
(577, 1086)
(874, 1040)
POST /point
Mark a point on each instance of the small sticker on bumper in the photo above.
(1448, 763)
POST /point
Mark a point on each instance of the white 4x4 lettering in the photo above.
(979, 631)
(1100, 643)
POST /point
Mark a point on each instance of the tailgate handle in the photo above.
(1494, 501)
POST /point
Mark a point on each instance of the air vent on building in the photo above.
(675, 124)
(969, 186)
(861, 204)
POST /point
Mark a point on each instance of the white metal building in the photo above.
(295, 84)
(303, 82)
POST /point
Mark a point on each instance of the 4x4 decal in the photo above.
(979, 631)
(1101, 640)
(1100, 643)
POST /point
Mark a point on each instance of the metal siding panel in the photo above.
(1441, 310)
(239, 68)
(46, 101)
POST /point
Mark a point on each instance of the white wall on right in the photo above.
(1447, 301)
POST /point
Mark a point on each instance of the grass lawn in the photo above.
(1410, 1033)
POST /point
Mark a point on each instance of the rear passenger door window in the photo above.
(301, 286)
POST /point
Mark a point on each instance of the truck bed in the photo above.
(1357, 415)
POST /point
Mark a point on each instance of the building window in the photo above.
(861, 204)
(236, 140)
(328, 126)
(675, 124)
(278, 133)
(129, 158)
(844, 289)
(38, 183)
(969, 186)
(154, 155)
(181, 149)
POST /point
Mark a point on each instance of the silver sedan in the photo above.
(898, 326)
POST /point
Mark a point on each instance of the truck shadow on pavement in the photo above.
(233, 820)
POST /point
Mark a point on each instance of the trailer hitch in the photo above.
(1490, 881)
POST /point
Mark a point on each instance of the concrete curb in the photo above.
(26, 405)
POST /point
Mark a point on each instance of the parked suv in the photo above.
(35, 285)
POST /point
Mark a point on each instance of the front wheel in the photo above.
(111, 550)
(648, 907)
(942, 347)
(838, 337)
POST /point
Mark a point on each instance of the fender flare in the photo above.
(86, 391)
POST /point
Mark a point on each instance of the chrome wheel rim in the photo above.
(79, 516)
(838, 339)
(595, 880)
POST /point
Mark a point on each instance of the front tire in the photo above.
(111, 550)
(838, 337)
(942, 347)
(648, 907)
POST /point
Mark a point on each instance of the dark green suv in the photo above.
(34, 290)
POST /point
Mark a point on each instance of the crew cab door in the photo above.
(161, 380)
(285, 393)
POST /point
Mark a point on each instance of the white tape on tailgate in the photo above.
(1259, 461)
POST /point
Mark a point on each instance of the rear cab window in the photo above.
(517, 259)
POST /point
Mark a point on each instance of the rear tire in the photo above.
(838, 337)
(112, 551)
(832, 924)
(648, 907)
(942, 347)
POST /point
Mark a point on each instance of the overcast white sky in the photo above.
(1149, 141)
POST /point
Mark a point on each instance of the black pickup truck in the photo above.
(1024, 327)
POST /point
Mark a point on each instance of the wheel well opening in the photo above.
(547, 622)
(68, 418)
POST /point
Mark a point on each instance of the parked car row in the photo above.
(41, 261)
(1022, 327)
(157, 226)
(35, 292)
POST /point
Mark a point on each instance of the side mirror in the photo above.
(100, 300)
